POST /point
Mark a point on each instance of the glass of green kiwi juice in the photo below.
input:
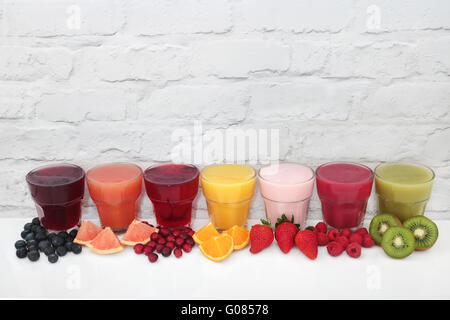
(403, 189)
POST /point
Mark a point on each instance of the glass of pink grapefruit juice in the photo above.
(116, 190)
(286, 188)
(343, 189)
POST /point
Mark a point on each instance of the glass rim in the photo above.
(83, 174)
(345, 162)
(417, 165)
(288, 184)
(166, 164)
(231, 164)
(114, 163)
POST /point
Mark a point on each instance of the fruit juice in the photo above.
(228, 189)
(116, 189)
(403, 189)
(172, 188)
(344, 189)
(57, 191)
(286, 189)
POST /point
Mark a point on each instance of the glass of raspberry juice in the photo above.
(172, 189)
(343, 189)
(57, 191)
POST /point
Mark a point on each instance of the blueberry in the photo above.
(70, 239)
(68, 246)
(61, 251)
(73, 233)
(24, 234)
(48, 251)
(32, 242)
(33, 255)
(27, 226)
(57, 241)
(63, 234)
(35, 228)
(21, 252)
(40, 229)
(50, 236)
(52, 258)
(36, 221)
(40, 236)
(44, 244)
(76, 248)
(29, 237)
(20, 244)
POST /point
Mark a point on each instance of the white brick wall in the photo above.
(109, 80)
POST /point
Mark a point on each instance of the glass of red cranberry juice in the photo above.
(172, 188)
(57, 191)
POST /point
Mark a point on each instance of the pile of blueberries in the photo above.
(36, 239)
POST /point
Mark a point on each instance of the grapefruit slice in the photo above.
(106, 242)
(137, 232)
(87, 232)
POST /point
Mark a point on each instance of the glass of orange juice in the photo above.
(116, 190)
(228, 189)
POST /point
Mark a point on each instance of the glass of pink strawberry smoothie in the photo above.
(286, 188)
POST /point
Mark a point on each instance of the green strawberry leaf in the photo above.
(285, 219)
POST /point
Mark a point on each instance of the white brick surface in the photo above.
(110, 80)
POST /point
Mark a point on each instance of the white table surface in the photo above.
(269, 274)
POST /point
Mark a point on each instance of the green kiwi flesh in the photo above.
(424, 230)
(380, 224)
(398, 242)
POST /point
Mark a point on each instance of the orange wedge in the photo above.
(205, 233)
(241, 236)
(217, 248)
(106, 242)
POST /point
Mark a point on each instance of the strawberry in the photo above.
(285, 232)
(261, 236)
(306, 241)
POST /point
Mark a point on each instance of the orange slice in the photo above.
(87, 232)
(205, 233)
(217, 248)
(241, 236)
(137, 232)
(106, 242)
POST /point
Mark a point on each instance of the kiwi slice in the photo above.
(398, 242)
(424, 230)
(380, 224)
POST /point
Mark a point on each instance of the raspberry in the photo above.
(343, 241)
(334, 248)
(354, 250)
(333, 234)
(322, 239)
(367, 241)
(321, 227)
(361, 231)
(356, 237)
(138, 248)
(346, 232)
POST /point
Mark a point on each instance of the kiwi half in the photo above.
(424, 230)
(398, 242)
(380, 224)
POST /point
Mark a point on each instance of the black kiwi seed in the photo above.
(424, 230)
(398, 242)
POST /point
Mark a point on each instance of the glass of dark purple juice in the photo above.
(57, 191)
